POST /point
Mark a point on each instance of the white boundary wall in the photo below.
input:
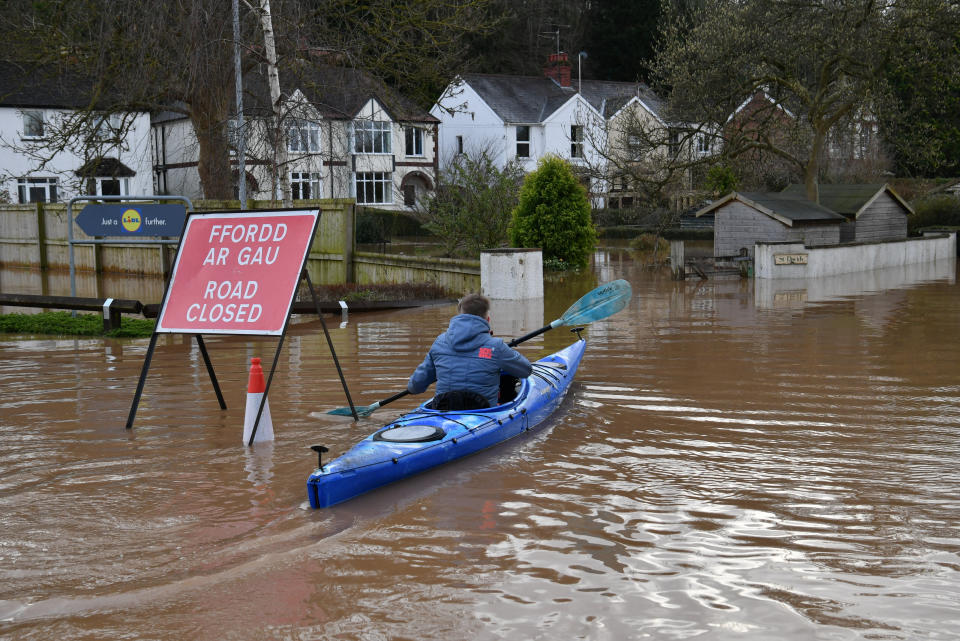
(816, 262)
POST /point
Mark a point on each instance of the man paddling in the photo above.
(466, 360)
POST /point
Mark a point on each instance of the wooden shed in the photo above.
(873, 213)
(742, 219)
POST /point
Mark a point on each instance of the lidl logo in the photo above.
(131, 220)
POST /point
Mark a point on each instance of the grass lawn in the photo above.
(65, 324)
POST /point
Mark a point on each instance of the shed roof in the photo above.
(849, 200)
(787, 208)
(533, 99)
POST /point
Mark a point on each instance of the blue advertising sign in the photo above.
(132, 220)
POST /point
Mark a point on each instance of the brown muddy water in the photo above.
(735, 460)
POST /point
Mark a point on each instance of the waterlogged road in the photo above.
(734, 461)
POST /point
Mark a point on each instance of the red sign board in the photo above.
(237, 272)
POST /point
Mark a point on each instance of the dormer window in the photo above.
(33, 124)
(303, 136)
(371, 137)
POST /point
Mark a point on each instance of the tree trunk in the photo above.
(273, 79)
(213, 163)
(811, 171)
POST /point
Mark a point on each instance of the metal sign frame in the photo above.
(304, 275)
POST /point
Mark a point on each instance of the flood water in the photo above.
(735, 460)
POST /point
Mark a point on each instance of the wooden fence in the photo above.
(35, 236)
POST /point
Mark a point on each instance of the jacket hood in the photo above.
(467, 332)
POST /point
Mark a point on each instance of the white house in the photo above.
(346, 136)
(524, 118)
(52, 149)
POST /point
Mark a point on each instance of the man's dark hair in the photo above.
(475, 304)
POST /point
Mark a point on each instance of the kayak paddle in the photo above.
(606, 300)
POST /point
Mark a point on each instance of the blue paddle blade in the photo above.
(601, 302)
(361, 411)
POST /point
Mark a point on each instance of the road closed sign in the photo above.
(237, 272)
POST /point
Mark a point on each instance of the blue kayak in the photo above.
(426, 438)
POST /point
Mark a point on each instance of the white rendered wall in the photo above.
(134, 153)
(841, 259)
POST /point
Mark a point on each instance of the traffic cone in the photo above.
(255, 390)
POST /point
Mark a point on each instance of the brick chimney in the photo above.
(558, 68)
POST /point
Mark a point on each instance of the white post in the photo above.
(511, 274)
(513, 281)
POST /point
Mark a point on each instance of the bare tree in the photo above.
(177, 55)
(813, 64)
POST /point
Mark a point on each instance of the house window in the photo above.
(374, 187)
(576, 141)
(523, 141)
(304, 185)
(409, 195)
(703, 144)
(459, 144)
(107, 127)
(108, 186)
(674, 142)
(371, 137)
(414, 140)
(33, 124)
(303, 136)
(37, 190)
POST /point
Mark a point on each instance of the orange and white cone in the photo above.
(255, 390)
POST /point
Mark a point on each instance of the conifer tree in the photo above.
(554, 214)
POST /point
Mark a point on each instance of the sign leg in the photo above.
(316, 302)
(143, 379)
(213, 376)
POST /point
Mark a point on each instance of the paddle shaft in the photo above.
(527, 337)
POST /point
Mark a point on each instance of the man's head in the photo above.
(475, 304)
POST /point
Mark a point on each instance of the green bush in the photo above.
(942, 210)
(554, 214)
(722, 179)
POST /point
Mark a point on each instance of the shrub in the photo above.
(554, 214)
(722, 179)
(649, 242)
(941, 210)
(470, 208)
